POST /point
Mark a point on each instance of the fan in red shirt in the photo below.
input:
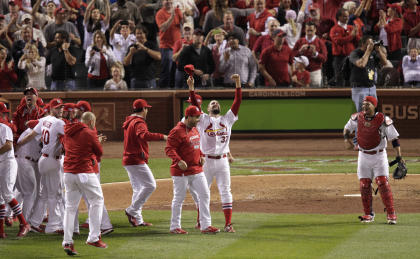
(412, 24)
(183, 147)
(257, 21)
(82, 145)
(267, 40)
(390, 30)
(301, 77)
(275, 61)
(135, 159)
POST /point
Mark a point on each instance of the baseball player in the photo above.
(68, 112)
(215, 131)
(8, 171)
(82, 148)
(51, 129)
(135, 159)
(374, 129)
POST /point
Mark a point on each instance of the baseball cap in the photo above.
(83, 106)
(372, 100)
(192, 110)
(3, 107)
(197, 97)
(302, 59)
(45, 110)
(140, 103)
(313, 7)
(26, 16)
(68, 107)
(59, 10)
(56, 103)
(12, 2)
(32, 123)
(189, 25)
(30, 90)
(198, 32)
(189, 69)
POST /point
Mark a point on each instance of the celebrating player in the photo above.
(373, 129)
(135, 159)
(183, 147)
(215, 131)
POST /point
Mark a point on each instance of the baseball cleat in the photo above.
(132, 220)
(45, 220)
(178, 231)
(392, 219)
(210, 230)
(23, 230)
(69, 249)
(229, 228)
(367, 218)
(145, 224)
(85, 225)
(3, 235)
(37, 229)
(106, 231)
(98, 244)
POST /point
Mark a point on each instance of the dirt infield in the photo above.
(280, 193)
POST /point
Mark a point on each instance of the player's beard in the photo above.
(215, 111)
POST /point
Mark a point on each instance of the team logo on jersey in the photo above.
(367, 124)
(221, 131)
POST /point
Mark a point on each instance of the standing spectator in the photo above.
(188, 8)
(366, 62)
(275, 61)
(356, 15)
(13, 17)
(125, 10)
(61, 24)
(238, 59)
(185, 41)
(7, 74)
(256, 21)
(34, 66)
(93, 22)
(116, 82)
(344, 38)
(200, 56)
(301, 77)
(328, 8)
(217, 50)
(62, 59)
(139, 59)
(5, 40)
(43, 19)
(412, 24)
(411, 68)
(390, 30)
(293, 27)
(122, 40)
(99, 59)
(37, 35)
(284, 6)
(169, 20)
(314, 49)
(229, 26)
(266, 40)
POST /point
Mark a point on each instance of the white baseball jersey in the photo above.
(215, 133)
(387, 132)
(50, 128)
(5, 135)
(31, 149)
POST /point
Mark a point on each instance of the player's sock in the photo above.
(2, 216)
(198, 216)
(386, 194)
(17, 210)
(366, 193)
(227, 210)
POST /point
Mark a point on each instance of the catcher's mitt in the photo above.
(401, 171)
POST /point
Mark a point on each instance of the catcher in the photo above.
(373, 130)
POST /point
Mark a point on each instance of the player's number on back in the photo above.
(45, 137)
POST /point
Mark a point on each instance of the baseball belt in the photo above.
(216, 157)
(373, 152)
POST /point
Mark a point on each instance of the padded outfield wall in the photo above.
(268, 112)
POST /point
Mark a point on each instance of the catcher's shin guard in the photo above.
(366, 192)
(386, 194)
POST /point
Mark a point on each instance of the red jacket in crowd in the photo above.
(184, 144)
(7, 77)
(393, 31)
(343, 42)
(136, 136)
(82, 147)
(315, 63)
(257, 24)
(411, 19)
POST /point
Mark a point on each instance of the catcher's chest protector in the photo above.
(368, 135)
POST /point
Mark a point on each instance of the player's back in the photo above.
(50, 128)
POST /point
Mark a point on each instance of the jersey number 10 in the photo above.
(45, 137)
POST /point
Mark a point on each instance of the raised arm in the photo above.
(238, 94)
(190, 83)
(359, 9)
(35, 8)
(107, 17)
(89, 11)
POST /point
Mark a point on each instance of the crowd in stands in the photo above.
(144, 44)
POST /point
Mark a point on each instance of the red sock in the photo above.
(366, 192)
(386, 194)
(2, 215)
(227, 210)
(17, 210)
(198, 216)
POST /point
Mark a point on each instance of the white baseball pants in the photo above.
(372, 166)
(50, 169)
(27, 183)
(219, 169)
(143, 184)
(198, 184)
(76, 185)
(8, 173)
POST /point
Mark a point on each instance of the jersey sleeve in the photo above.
(9, 134)
(351, 125)
(60, 127)
(390, 132)
(38, 127)
(230, 117)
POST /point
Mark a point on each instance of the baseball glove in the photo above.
(401, 171)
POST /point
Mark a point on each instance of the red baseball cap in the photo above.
(3, 107)
(68, 107)
(197, 97)
(189, 69)
(30, 90)
(83, 106)
(32, 123)
(56, 103)
(45, 110)
(372, 100)
(140, 103)
(192, 110)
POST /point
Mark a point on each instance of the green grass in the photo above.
(113, 171)
(258, 236)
